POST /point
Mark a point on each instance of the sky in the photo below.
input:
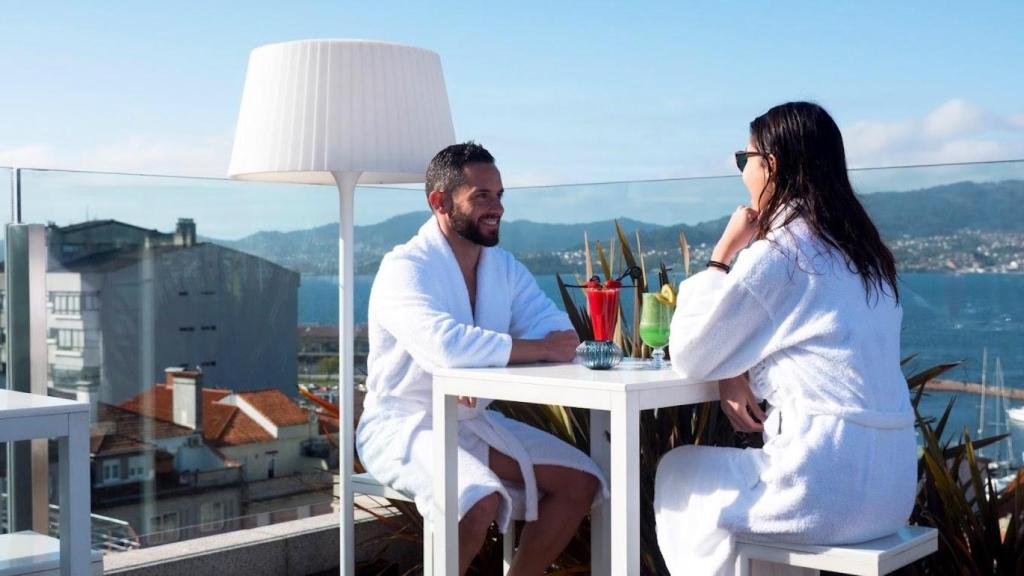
(560, 92)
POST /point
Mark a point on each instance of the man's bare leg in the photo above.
(473, 529)
(568, 495)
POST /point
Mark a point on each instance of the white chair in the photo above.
(872, 558)
(367, 484)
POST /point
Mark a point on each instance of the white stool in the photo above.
(872, 558)
(367, 484)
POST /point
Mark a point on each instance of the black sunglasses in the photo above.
(742, 157)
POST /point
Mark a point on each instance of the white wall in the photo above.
(255, 457)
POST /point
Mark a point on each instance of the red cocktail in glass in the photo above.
(603, 304)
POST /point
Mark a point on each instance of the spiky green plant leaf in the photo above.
(684, 249)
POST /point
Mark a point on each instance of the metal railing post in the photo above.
(25, 285)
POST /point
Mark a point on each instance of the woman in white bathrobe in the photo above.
(808, 318)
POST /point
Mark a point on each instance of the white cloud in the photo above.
(144, 156)
(139, 155)
(30, 155)
(955, 118)
(956, 131)
(961, 150)
(872, 137)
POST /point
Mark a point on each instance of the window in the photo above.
(211, 516)
(163, 528)
(137, 468)
(111, 471)
(66, 303)
(73, 303)
(68, 339)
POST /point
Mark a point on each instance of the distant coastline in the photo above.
(963, 227)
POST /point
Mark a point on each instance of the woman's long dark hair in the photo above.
(810, 175)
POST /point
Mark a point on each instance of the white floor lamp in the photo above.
(341, 112)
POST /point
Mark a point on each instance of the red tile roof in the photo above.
(223, 424)
(158, 402)
(277, 407)
(241, 429)
(216, 418)
(120, 431)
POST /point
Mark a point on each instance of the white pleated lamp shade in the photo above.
(313, 107)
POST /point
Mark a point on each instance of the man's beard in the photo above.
(463, 225)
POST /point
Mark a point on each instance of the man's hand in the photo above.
(556, 346)
(739, 404)
(560, 345)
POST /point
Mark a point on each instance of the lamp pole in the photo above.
(316, 111)
(346, 182)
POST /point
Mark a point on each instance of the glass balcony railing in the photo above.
(188, 311)
(171, 307)
(6, 183)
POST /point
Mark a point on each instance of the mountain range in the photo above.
(936, 211)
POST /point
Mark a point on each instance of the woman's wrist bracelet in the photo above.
(720, 265)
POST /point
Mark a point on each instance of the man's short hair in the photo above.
(445, 170)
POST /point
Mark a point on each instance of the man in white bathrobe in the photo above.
(449, 297)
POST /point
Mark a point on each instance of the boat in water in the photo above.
(1016, 414)
(1002, 470)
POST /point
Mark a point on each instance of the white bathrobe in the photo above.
(420, 319)
(839, 463)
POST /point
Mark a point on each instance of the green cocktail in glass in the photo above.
(654, 336)
(655, 323)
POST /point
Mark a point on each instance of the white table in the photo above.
(615, 398)
(27, 416)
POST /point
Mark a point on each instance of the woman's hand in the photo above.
(738, 234)
(739, 404)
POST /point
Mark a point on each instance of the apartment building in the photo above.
(124, 302)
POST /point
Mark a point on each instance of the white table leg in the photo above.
(73, 466)
(600, 515)
(446, 493)
(625, 488)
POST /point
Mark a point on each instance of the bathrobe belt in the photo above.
(866, 418)
(481, 422)
(861, 416)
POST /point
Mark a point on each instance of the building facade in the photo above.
(124, 302)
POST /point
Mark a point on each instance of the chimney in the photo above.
(185, 233)
(187, 392)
